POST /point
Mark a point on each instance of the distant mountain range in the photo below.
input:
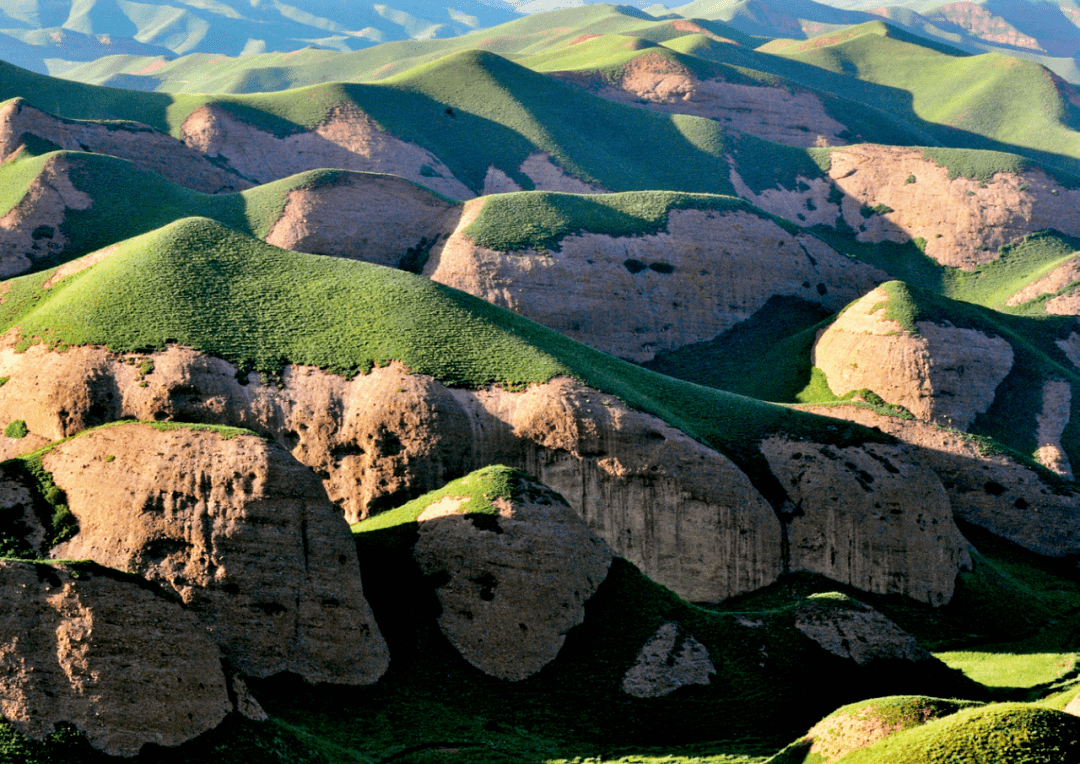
(53, 36)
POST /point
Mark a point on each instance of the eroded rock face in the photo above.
(946, 375)
(30, 231)
(1052, 421)
(781, 114)
(683, 513)
(637, 296)
(376, 218)
(669, 660)
(869, 517)
(962, 221)
(146, 147)
(992, 491)
(120, 662)
(860, 634)
(515, 582)
(347, 139)
(240, 530)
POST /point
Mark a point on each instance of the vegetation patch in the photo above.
(764, 165)
(541, 219)
(16, 429)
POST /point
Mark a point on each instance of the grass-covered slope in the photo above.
(127, 201)
(200, 284)
(1001, 100)
(472, 109)
(540, 219)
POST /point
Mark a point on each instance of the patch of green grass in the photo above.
(767, 356)
(765, 165)
(16, 429)
(541, 219)
(1009, 733)
(1000, 668)
(984, 165)
(270, 307)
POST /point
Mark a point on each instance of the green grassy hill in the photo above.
(275, 307)
(128, 201)
(472, 109)
(992, 99)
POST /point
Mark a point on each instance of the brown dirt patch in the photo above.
(863, 636)
(348, 140)
(1067, 304)
(80, 265)
(583, 38)
(547, 176)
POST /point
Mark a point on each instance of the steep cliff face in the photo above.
(869, 517)
(945, 375)
(788, 115)
(684, 513)
(636, 296)
(381, 219)
(513, 582)
(992, 491)
(240, 530)
(963, 221)
(120, 662)
(138, 143)
(30, 231)
(347, 139)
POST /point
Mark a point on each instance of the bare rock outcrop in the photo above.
(685, 514)
(347, 139)
(788, 115)
(943, 374)
(30, 231)
(380, 219)
(859, 633)
(146, 147)
(992, 491)
(890, 193)
(1051, 422)
(869, 516)
(240, 530)
(512, 583)
(670, 659)
(1059, 278)
(636, 296)
(120, 662)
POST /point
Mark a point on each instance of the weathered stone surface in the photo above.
(669, 660)
(241, 530)
(514, 585)
(1051, 423)
(859, 633)
(112, 657)
(346, 139)
(380, 219)
(943, 374)
(636, 296)
(870, 517)
(30, 231)
(683, 513)
(992, 491)
(961, 221)
(146, 147)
